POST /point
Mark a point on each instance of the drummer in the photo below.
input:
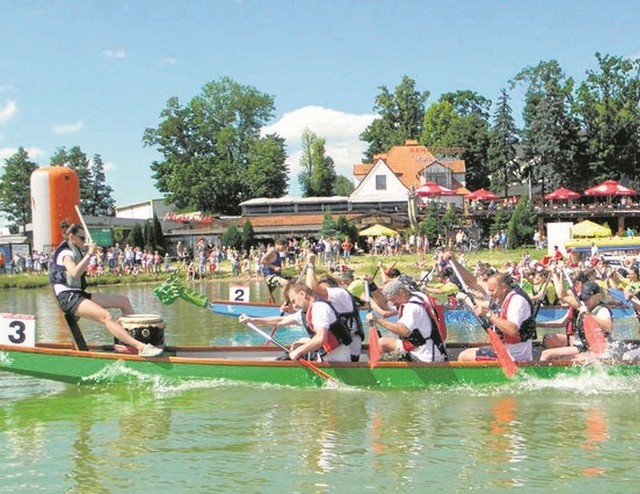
(67, 275)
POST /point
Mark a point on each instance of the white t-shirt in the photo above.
(519, 311)
(415, 316)
(58, 288)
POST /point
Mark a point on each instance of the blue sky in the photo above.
(97, 73)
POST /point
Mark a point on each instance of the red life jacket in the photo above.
(527, 328)
(332, 342)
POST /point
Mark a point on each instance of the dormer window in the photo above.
(381, 182)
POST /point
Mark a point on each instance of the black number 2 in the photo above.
(239, 295)
(19, 335)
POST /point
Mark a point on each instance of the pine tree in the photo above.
(15, 193)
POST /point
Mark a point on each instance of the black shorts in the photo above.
(70, 299)
(486, 353)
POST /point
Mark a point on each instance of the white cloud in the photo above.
(168, 61)
(340, 130)
(71, 128)
(8, 111)
(115, 54)
(34, 153)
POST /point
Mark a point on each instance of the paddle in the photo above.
(300, 360)
(592, 331)
(84, 225)
(506, 361)
(374, 344)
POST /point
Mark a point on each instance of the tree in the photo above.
(210, 144)
(346, 229)
(343, 186)
(318, 175)
(459, 121)
(232, 237)
(136, 236)
(328, 227)
(263, 178)
(502, 145)
(551, 132)
(77, 160)
(160, 240)
(99, 200)
(248, 235)
(522, 224)
(400, 117)
(608, 105)
(15, 193)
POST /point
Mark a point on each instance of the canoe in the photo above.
(459, 316)
(257, 365)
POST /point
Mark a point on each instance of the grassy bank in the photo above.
(361, 264)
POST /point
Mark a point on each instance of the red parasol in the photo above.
(610, 188)
(429, 189)
(482, 195)
(562, 194)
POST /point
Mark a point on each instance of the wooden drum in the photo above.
(147, 328)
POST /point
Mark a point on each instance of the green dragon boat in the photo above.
(257, 364)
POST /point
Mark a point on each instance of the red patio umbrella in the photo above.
(482, 195)
(562, 194)
(610, 188)
(429, 189)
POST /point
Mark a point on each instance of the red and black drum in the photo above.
(147, 328)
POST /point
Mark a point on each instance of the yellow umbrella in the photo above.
(588, 228)
(376, 230)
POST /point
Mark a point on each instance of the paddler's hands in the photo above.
(244, 319)
(92, 247)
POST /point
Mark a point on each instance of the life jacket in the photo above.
(527, 330)
(339, 334)
(352, 319)
(267, 270)
(58, 275)
(579, 327)
(435, 311)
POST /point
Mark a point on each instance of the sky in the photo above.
(95, 74)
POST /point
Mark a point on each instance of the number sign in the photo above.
(17, 329)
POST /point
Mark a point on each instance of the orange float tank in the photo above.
(54, 194)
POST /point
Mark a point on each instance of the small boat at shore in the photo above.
(257, 364)
(458, 315)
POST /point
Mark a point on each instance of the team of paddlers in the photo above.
(407, 314)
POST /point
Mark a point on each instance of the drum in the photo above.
(147, 328)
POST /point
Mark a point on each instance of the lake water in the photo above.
(566, 435)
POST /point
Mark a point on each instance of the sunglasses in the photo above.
(81, 237)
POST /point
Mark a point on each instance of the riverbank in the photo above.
(411, 264)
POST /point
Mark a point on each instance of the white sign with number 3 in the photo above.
(17, 330)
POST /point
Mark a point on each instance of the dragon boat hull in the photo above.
(257, 365)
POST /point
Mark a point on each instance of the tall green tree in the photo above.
(328, 227)
(522, 224)
(343, 186)
(608, 105)
(15, 193)
(502, 146)
(248, 235)
(459, 121)
(77, 160)
(263, 178)
(208, 146)
(232, 237)
(158, 235)
(100, 201)
(551, 132)
(400, 118)
(318, 175)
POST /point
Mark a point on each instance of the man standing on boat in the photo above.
(271, 265)
(67, 275)
(511, 314)
(419, 338)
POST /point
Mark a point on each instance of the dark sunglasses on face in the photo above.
(81, 237)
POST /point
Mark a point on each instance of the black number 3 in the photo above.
(19, 336)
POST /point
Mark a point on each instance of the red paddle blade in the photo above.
(509, 366)
(374, 346)
(595, 335)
